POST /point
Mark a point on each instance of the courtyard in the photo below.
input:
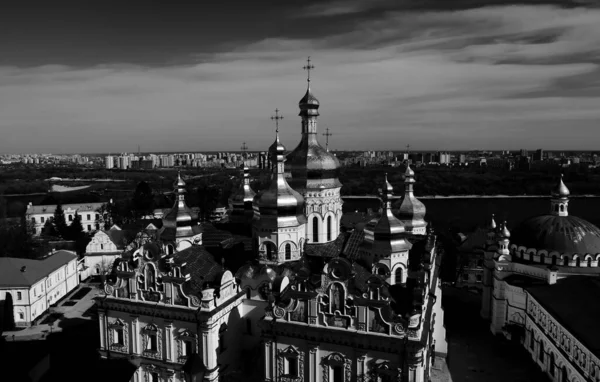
(475, 355)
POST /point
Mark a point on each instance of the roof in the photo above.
(11, 274)
(568, 301)
(50, 208)
(475, 240)
(200, 265)
(564, 234)
(331, 249)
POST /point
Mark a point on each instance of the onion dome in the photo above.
(310, 165)
(492, 225)
(180, 221)
(246, 272)
(410, 210)
(241, 200)
(504, 232)
(279, 201)
(561, 190)
(269, 272)
(386, 234)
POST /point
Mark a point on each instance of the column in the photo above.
(169, 341)
(135, 332)
(313, 362)
(268, 361)
(101, 321)
(361, 369)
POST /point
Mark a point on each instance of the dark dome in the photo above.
(564, 234)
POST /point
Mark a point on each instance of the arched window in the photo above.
(381, 271)
(542, 351)
(589, 262)
(398, 276)
(329, 228)
(556, 207)
(578, 262)
(269, 248)
(315, 229)
(552, 365)
(150, 276)
(337, 298)
(564, 377)
(553, 259)
(542, 258)
(565, 261)
(562, 208)
(170, 249)
(288, 251)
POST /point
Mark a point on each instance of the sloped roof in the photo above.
(50, 208)
(200, 265)
(331, 249)
(35, 270)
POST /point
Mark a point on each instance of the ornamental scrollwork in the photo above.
(278, 312)
(293, 354)
(113, 342)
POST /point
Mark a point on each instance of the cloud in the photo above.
(477, 77)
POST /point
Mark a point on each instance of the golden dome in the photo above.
(410, 210)
(180, 221)
(561, 190)
(492, 224)
(279, 200)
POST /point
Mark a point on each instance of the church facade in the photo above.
(295, 299)
(537, 284)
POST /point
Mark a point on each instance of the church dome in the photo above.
(246, 272)
(245, 193)
(409, 209)
(180, 221)
(561, 189)
(308, 100)
(564, 234)
(279, 199)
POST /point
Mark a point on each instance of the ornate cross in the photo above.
(277, 118)
(244, 147)
(407, 149)
(308, 67)
(327, 134)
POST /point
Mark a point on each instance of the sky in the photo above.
(107, 76)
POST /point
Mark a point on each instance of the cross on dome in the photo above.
(308, 67)
(277, 118)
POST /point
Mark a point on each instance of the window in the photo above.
(565, 261)
(97, 216)
(552, 365)
(589, 262)
(222, 331)
(70, 218)
(89, 227)
(398, 276)
(315, 229)
(89, 217)
(248, 293)
(541, 355)
(21, 316)
(553, 259)
(337, 373)
(153, 377)
(564, 377)
(33, 220)
(329, 228)
(531, 341)
(465, 277)
(269, 251)
(248, 326)
(478, 278)
(542, 258)
(291, 366)
(19, 296)
(97, 226)
(152, 344)
(101, 246)
(288, 251)
(118, 336)
(187, 348)
(578, 262)
(42, 219)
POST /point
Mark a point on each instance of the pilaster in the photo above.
(135, 333)
(313, 362)
(169, 342)
(103, 332)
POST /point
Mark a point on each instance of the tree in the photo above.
(49, 230)
(75, 230)
(59, 222)
(208, 198)
(8, 319)
(143, 199)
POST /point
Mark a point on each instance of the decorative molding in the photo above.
(118, 324)
(336, 359)
(290, 352)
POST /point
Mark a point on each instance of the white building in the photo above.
(539, 288)
(90, 217)
(101, 252)
(34, 285)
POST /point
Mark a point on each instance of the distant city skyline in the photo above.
(489, 75)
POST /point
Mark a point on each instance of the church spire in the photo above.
(309, 104)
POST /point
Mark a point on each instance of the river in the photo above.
(467, 213)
